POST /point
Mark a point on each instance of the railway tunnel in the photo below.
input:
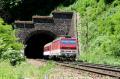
(35, 43)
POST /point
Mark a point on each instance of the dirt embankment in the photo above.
(36, 62)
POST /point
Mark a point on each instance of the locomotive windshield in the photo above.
(68, 41)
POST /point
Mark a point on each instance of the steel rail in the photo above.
(95, 68)
(112, 71)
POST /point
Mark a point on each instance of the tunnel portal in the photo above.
(35, 43)
(34, 34)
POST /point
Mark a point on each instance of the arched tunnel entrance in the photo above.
(35, 43)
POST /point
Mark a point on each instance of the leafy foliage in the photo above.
(9, 3)
(25, 9)
(9, 47)
(99, 30)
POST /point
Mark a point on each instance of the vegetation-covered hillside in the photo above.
(99, 29)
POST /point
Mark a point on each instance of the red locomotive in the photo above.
(62, 47)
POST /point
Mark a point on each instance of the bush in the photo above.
(14, 56)
(9, 47)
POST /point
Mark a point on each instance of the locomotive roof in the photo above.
(65, 37)
(58, 39)
(47, 44)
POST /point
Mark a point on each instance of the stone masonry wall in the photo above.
(61, 23)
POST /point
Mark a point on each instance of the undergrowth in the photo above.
(24, 70)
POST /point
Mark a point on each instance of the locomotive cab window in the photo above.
(68, 42)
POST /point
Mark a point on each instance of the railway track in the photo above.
(107, 70)
(112, 71)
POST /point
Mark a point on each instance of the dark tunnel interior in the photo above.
(35, 44)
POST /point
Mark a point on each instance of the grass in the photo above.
(100, 59)
(24, 70)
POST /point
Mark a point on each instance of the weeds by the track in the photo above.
(24, 70)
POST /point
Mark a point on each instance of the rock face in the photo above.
(61, 23)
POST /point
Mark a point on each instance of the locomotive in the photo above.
(62, 48)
